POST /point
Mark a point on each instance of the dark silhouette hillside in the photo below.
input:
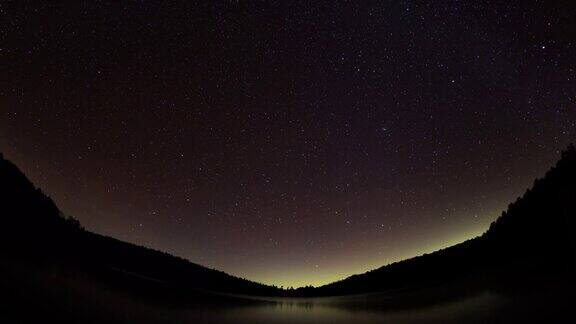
(34, 229)
(534, 238)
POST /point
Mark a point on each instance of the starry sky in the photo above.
(290, 143)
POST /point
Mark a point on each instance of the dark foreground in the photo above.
(39, 292)
(520, 271)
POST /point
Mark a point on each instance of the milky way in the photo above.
(292, 143)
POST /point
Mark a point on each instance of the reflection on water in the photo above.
(475, 309)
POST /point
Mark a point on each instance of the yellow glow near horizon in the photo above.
(364, 263)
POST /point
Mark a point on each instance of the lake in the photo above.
(480, 308)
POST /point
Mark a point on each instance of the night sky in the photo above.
(290, 144)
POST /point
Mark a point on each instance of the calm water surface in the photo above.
(475, 309)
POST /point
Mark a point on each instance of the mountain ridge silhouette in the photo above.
(532, 237)
(34, 224)
(535, 235)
